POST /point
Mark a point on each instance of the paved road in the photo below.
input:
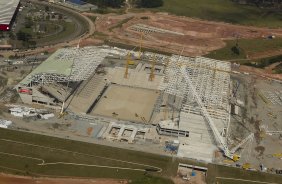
(238, 180)
(74, 40)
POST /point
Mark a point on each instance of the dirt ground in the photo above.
(258, 115)
(199, 37)
(126, 103)
(13, 179)
(267, 72)
(182, 173)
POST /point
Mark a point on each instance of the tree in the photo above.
(12, 35)
(23, 36)
(149, 3)
(236, 50)
(48, 17)
(28, 23)
(32, 44)
(108, 3)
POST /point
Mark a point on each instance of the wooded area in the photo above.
(148, 3)
(107, 3)
(261, 3)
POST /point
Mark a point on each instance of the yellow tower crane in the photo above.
(127, 62)
(152, 74)
(140, 45)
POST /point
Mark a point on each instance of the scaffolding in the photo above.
(80, 64)
(211, 80)
(204, 86)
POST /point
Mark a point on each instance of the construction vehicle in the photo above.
(126, 66)
(246, 166)
(129, 59)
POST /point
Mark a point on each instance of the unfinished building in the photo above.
(210, 82)
(181, 97)
(52, 82)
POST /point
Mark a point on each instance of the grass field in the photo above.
(262, 63)
(88, 154)
(236, 173)
(248, 46)
(278, 69)
(224, 10)
(68, 29)
(52, 150)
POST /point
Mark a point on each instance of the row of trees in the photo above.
(108, 3)
(261, 3)
(148, 3)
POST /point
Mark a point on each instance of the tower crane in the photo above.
(152, 74)
(165, 69)
(140, 45)
(127, 65)
(128, 62)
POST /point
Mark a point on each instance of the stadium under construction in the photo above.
(181, 97)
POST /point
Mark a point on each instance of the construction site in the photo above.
(137, 94)
(182, 104)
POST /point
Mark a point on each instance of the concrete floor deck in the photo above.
(126, 103)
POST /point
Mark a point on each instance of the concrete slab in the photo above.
(135, 78)
(126, 103)
(196, 150)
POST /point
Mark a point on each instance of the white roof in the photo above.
(7, 10)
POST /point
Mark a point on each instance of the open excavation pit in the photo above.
(126, 103)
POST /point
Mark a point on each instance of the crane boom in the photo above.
(249, 137)
(140, 46)
(206, 115)
(152, 74)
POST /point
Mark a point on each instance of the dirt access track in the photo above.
(13, 179)
(198, 37)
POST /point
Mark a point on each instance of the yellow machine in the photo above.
(236, 158)
(129, 60)
(246, 166)
(277, 155)
(126, 65)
